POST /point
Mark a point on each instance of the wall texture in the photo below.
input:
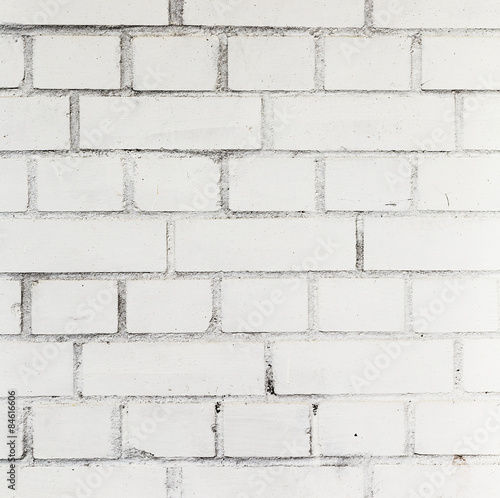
(250, 248)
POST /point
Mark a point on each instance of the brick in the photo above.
(102, 481)
(74, 307)
(194, 123)
(160, 306)
(481, 370)
(170, 369)
(13, 185)
(82, 245)
(457, 428)
(292, 482)
(367, 184)
(175, 62)
(266, 430)
(177, 184)
(76, 62)
(361, 305)
(362, 428)
(422, 243)
(171, 430)
(364, 122)
(99, 12)
(80, 184)
(317, 13)
(10, 307)
(376, 63)
(363, 366)
(480, 122)
(458, 184)
(271, 63)
(442, 480)
(432, 14)
(272, 184)
(74, 431)
(264, 305)
(265, 244)
(11, 61)
(34, 123)
(44, 369)
(455, 305)
(458, 62)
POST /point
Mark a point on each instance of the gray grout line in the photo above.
(459, 120)
(314, 430)
(74, 120)
(27, 84)
(408, 304)
(267, 137)
(122, 308)
(319, 183)
(268, 359)
(129, 166)
(126, 62)
(222, 84)
(170, 248)
(410, 427)
(360, 243)
(26, 309)
(414, 191)
(319, 62)
(219, 429)
(32, 170)
(312, 305)
(224, 184)
(77, 374)
(368, 474)
(416, 63)
(369, 14)
(176, 8)
(458, 364)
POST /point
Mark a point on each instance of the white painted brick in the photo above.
(264, 305)
(74, 307)
(109, 481)
(481, 370)
(362, 428)
(80, 184)
(278, 482)
(444, 480)
(168, 369)
(457, 428)
(12, 413)
(11, 61)
(266, 430)
(265, 244)
(272, 184)
(481, 122)
(177, 184)
(436, 14)
(75, 431)
(367, 366)
(445, 243)
(99, 12)
(376, 63)
(76, 62)
(455, 305)
(161, 306)
(460, 62)
(459, 183)
(361, 305)
(13, 185)
(271, 63)
(10, 307)
(44, 369)
(171, 430)
(34, 123)
(175, 62)
(82, 245)
(317, 13)
(368, 184)
(170, 122)
(364, 122)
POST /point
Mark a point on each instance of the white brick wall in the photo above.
(250, 248)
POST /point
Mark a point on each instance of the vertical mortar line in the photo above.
(408, 304)
(176, 11)
(312, 301)
(414, 191)
(170, 248)
(267, 122)
(222, 83)
(126, 62)
(117, 428)
(224, 184)
(219, 429)
(319, 62)
(458, 360)
(416, 62)
(360, 242)
(410, 428)
(216, 322)
(314, 430)
(74, 121)
(32, 185)
(459, 120)
(28, 435)
(369, 14)
(319, 184)
(122, 307)
(27, 84)
(77, 374)
(368, 473)
(268, 360)
(128, 165)
(174, 482)
(26, 306)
